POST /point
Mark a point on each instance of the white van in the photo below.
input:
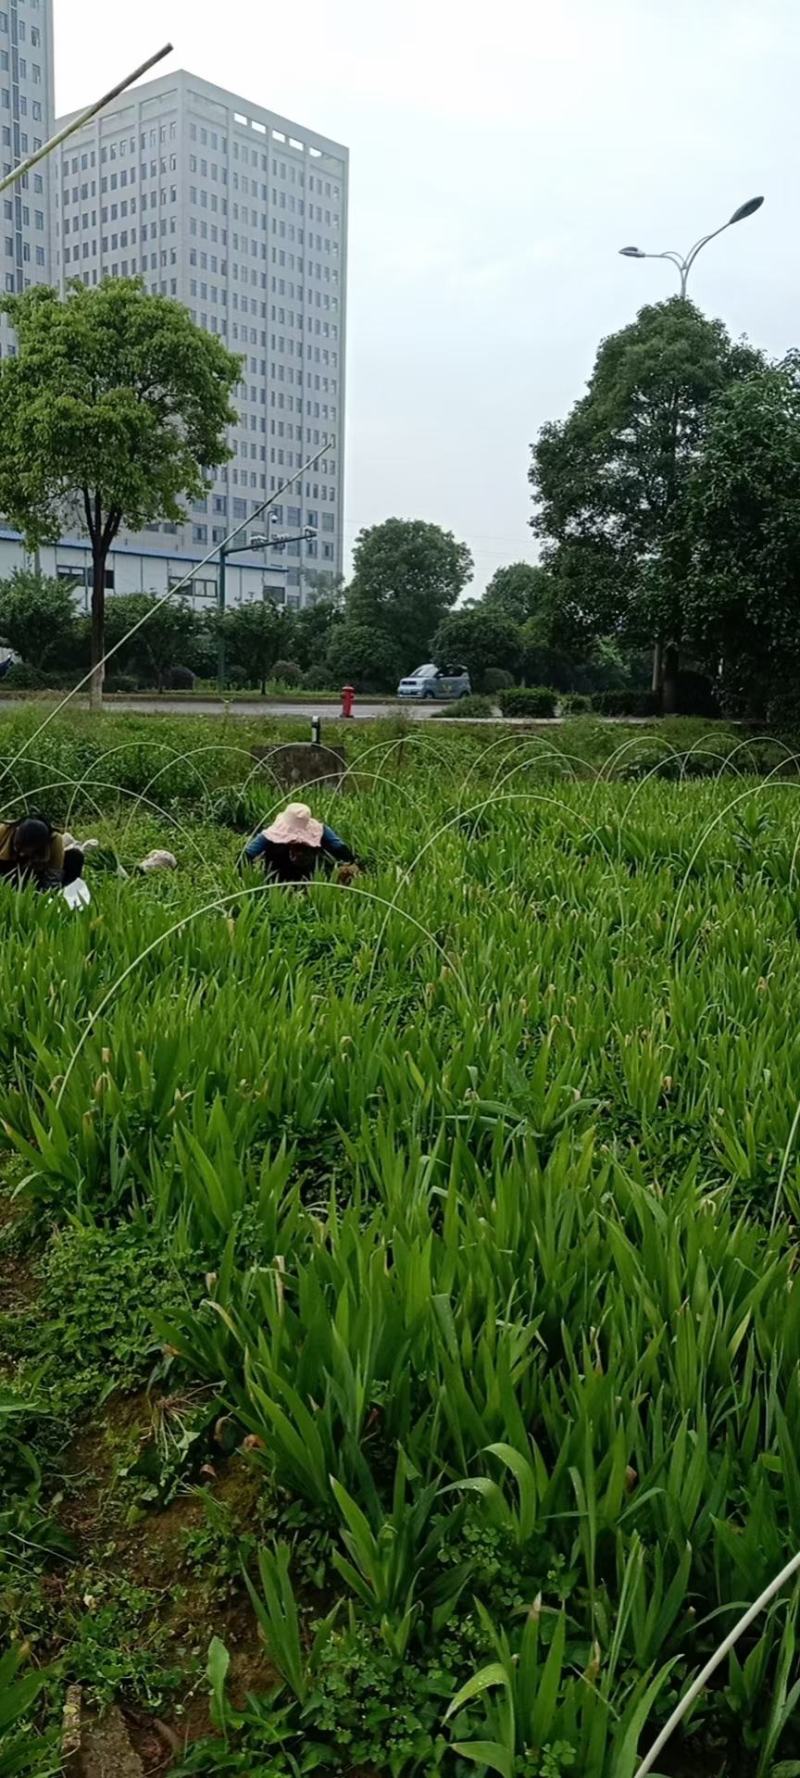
(431, 681)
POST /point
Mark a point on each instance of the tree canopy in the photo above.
(742, 609)
(364, 657)
(37, 616)
(314, 627)
(520, 591)
(160, 644)
(614, 476)
(481, 637)
(406, 575)
(256, 635)
(112, 413)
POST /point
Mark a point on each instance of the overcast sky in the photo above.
(500, 155)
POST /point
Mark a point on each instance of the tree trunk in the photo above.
(98, 629)
(658, 667)
(669, 700)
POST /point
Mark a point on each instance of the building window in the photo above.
(200, 589)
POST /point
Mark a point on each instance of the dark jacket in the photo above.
(298, 864)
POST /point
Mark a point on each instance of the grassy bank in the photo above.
(400, 1312)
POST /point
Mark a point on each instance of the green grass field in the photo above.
(400, 1306)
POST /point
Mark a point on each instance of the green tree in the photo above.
(313, 630)
(481, 637)
(112, 413)
(162, 641)
(742, 608)
(520, 591)
(590, 581)
(200, 650)
(361, 656)
(37, 617)
(541, 663)
(256, 635)
(615, 474)
(406, 576)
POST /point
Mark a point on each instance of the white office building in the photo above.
(27, 110)
(241, 215)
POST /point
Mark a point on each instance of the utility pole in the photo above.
(78, 122)
(683, 264)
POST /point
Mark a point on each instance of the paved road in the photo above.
(365, 712)
(167, 706)
(269, 707)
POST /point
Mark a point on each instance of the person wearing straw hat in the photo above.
(296, 846)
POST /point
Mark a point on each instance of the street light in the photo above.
(307, 535)
(685, 265)
(229, 549)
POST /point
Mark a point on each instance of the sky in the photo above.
(500, 156)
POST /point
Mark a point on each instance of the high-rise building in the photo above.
(241, 215)
(27, 110)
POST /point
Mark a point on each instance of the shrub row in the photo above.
(473, 706)
(529, 700)
(625, 701)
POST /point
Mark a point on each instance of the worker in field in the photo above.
(31, 851)
(296, 846)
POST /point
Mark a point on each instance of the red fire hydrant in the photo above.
(348, 700)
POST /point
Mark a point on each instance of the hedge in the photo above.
(529, 700)
(496, 679)
(465, 707)
(625, 701)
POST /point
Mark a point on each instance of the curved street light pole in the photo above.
(684, 265)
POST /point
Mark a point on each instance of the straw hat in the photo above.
(296, 827)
